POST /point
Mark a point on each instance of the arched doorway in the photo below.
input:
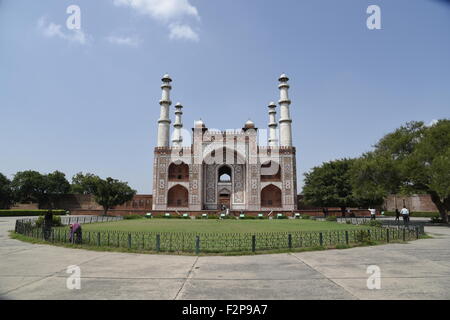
(271, 197)
(178, 172)
(224, 198)
(178, 197)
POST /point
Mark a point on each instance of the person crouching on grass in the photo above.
(75, 234)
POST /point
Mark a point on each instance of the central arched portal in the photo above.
(271, 197)
(178, 197)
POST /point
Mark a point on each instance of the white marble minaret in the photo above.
(285, 117)
(273, 141)
(164, 120)
(177, 140)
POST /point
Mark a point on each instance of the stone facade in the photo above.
(225, 169)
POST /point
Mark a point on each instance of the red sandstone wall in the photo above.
(415, 203)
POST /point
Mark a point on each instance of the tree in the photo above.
(413, 159)
(6, 194)
(56, 185)
(32, 186)
(28, 186)
(372, 179)
(329, 185)
(84, 183)
(111, 192)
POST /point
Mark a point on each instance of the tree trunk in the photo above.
(441, 205)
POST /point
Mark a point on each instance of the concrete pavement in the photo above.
(417, 270)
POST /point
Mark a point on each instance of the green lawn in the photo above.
(217, 226)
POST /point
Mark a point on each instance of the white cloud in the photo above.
(133, 41)
(51, 30)
(161, 9)
(182, 31)
(172, 13)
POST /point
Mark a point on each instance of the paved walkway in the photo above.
(417, 270)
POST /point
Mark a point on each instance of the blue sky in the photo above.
(88, 100)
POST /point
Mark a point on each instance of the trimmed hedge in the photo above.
(56, 221)
(133, 217)
(24, 213)
(414, 214)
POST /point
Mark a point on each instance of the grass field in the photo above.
(217, 226)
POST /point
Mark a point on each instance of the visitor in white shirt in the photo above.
(405, 214)
(373, 213)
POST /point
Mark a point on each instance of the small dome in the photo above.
(179, 105)
(199, 124)
(272, 104)
(166, 78)
(249, 124)
(283, 78)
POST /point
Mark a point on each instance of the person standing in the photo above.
(397, 214)
(405, 215)
(47, 224)
(373, 213)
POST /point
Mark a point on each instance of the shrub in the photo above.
(56, 221)
(205, 217)
(436, 220)
(373, 223)
(331, 218)
(133, 216)
(305, 216)
(23, 213)
(282, 217)
(226, 217)
(247, 218)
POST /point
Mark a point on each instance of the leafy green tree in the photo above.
(329, 185)
(372, 179)
(412, 159)
(28, 186)
(84, 183)
(111, 192)
(6, 194)
(32, 186)
(56, 185)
